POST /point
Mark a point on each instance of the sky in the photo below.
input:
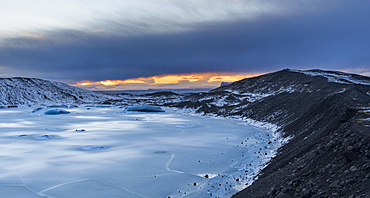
(145, 44)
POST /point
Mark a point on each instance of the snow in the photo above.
(183, 125)
(54, 129)
(337, 77)
(342, 91)
(255, 96)
(222, 101)
(129, 154)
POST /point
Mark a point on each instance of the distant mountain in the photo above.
(224, 84)
(30, 91)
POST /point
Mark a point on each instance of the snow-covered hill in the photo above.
(32, 91)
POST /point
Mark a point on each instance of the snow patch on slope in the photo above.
(255, 96)
(337, 77)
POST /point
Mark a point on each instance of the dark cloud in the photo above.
(334, 39)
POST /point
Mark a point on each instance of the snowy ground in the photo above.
(121, 154)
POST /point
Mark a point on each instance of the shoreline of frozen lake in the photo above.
(123, 154)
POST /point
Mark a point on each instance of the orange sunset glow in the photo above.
(228, 78)
(172, 81)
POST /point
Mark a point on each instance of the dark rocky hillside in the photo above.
(327, 114)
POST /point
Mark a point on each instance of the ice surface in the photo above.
(93, 148)
(183, 125)
(56, 112)
(127, 154)
(103, 106)
(54, 129)
(22, 136)
(145, 109)
(43, 137)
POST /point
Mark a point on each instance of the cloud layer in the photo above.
(118, 41)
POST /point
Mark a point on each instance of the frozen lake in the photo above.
(120, 154)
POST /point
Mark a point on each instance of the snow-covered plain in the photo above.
(108, 152)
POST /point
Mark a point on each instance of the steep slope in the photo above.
(31, 91)
(327, 115)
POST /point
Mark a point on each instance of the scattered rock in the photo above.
(334, 185)
(353, 168)
(272, 191)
